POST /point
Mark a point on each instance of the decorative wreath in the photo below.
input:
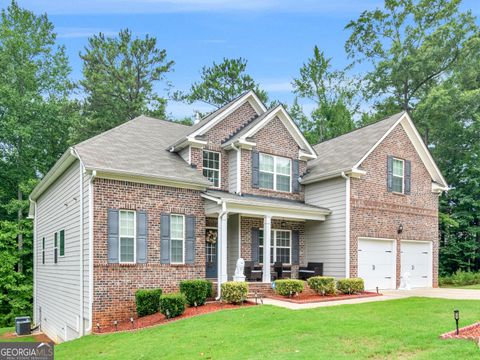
(211, 236)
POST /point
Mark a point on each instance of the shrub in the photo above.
(234, 292)
(172, 305)
(461, 278)
(288, 287)
(196, 291)
(322, 285)
(351, 285)
(147, 301)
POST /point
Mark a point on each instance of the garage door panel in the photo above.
(416, 259)
(376, 263)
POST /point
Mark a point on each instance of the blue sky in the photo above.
(275, 36)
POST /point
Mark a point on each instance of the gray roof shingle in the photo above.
(343, 152)
(138, 147)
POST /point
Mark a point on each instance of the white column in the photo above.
(222, 251)
(267, 226)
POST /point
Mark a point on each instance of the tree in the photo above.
(119, 76)
(333, 95)
(34, 122)
(221, 83)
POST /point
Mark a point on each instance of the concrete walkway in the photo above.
(442, 293)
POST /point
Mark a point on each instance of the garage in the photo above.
(416, 258)
(377, 263)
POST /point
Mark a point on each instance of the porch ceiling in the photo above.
(218, 201)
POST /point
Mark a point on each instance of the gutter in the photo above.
(90, 249)
(347, 224)
(35, 239)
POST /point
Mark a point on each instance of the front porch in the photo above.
(266, 233)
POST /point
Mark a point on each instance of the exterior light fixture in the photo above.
(98, 327)
(131, 320)
(116, 325)
(456, 316)
(400, 229)
(283, 224)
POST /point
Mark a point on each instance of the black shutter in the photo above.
(408, 176)
(295, 176)
(190, 239)
(295, 247)
(142, 237)
(255, 169)
(112, 235)
(390, 173)
(255, 245)
(165, 238)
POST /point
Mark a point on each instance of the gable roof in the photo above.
(345, 153)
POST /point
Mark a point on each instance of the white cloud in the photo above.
(79, 32)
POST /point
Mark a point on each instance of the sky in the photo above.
(275, 36)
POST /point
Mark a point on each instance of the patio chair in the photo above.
(282, 272)
(253, 272)
(312, 269)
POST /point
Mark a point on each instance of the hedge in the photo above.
(322, 285)
(460, 278)
(350, 285)
(172, 305)
(234, 292)
(147, 301)
(196, 291)
(288, 287)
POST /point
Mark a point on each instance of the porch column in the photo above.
(267, 226)
(222, 250)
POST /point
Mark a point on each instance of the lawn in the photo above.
(397, 329)
(475, 286)
(16, 339)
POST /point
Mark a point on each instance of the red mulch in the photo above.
(160, 319)
(312, 298)
(471, 332)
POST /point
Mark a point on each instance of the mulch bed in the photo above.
(160, 319)
(471, 332)
(39, 337)
(313, 298)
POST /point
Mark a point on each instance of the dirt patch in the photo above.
(471, 332)
(39, 337)
(313, 298)
(159, 319)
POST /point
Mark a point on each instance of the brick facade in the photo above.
(377, 213)
(115, 284)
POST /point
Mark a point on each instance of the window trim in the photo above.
(134, 237)
(275, 157)
(396, 176)
(273, 244)
(219, 167)
(176, 239)
(55, 248)
(43, 250)
(60, 243)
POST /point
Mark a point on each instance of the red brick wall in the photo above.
(273, 139)
(115, 284)
(375, 212)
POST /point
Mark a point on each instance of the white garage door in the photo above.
(376, 263)
(417, 260)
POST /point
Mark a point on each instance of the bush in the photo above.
(234, 292)
(288, 287)
(147, 301)
(322, 285)
(196, 291)
(460, 278)
(351, 285)
(172, 305)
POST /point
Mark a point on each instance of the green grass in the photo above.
(3, 331)
(396, 329)
(475, 286)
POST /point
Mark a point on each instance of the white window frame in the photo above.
(176, 239)
(275, 157)
(134, 237)
(60, 242)
(273, 245)
(396, 176)
(219, 167)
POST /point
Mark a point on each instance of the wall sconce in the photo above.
(283, 224)
(400, 229)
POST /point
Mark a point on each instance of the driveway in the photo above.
(443, 293)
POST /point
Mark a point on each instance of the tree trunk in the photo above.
(20, 230)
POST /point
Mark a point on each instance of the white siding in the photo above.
(232, 245)
(58, 285)
(325, 241)
(232, 171)
(185, 154)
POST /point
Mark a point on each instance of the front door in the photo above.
(211, 241)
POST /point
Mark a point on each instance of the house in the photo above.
(152, 202)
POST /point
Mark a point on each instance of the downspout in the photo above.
(90, 249)
(347, 224)
(239, 169)
(35, 247)
(223, 213)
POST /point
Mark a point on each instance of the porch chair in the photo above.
(282, 272)
(312, 269)
(253, 272)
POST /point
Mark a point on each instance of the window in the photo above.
(281, 246)
(211, 167)
(127, 236)
(275, 173)
(177, 238)
(55, 248)
(62, 242)
(43, 251)
(398, 175)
